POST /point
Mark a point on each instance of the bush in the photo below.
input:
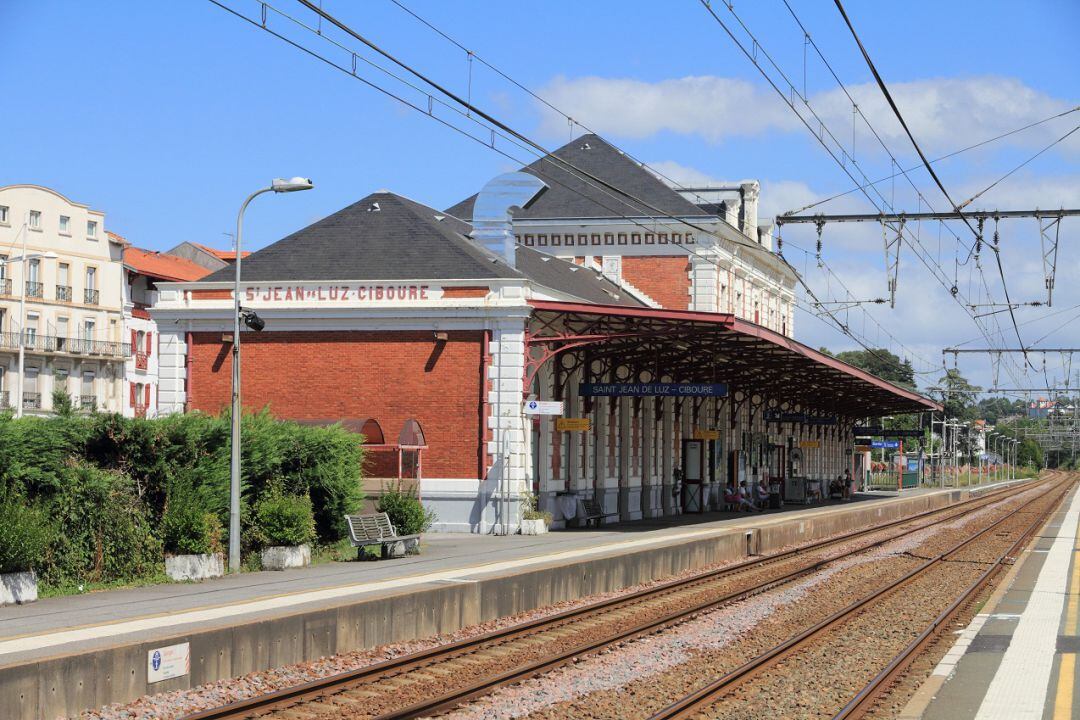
(407, 513)
(24, 533)
(187, 527)
(529, 511)
(284, 519)
(103, 532)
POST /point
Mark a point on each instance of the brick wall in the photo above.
(388, 376)
(664, 279)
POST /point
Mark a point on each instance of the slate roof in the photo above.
(569, 196)
(405, 240)
(576, 280)
(382, 237)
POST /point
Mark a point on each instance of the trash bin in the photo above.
(775, 500)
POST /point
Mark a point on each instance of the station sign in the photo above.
(573, 424)
(703, 434)
(810, 444)
(543, 407)
(878, 431)
(169, 662)
(653, 390)
(885, 444)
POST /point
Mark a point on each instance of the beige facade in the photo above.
(56, 255)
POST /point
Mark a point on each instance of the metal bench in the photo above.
(368, 530)
(594, 511)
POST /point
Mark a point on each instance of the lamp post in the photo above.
(23, 259)
(278, 185)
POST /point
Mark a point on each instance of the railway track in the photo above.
(735, 686)
(436, 680)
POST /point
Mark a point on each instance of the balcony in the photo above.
(88, 403)
(33, 342)
(35, 289)
(141, 360)
(31, 401)
(63, 293)
(5, 286)
(91, 297)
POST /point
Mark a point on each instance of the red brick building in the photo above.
(430, 333)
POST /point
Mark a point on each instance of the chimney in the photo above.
(764, 234)
(492, 224)
(750, 190)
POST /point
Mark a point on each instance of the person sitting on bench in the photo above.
(731, 498)
(745, 501)
(836, 488)
(763, 493)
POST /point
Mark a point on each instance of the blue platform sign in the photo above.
(885, 444)
(653, 390)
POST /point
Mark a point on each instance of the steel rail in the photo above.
(863, 702)
(694, 703)
(342, 682)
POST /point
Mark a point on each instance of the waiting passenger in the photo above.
(731, 498)
(745, 501)
(762, 493)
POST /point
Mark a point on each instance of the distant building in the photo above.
(58, 256)
(143, 270)
(206, 256)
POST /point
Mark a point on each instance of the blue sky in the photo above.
(165, 115)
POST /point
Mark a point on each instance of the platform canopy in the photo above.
(646, 344)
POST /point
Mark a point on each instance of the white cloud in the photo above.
(943, 113)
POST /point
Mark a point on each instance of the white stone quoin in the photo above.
(283, 557)
(194, 567)
(18, 588)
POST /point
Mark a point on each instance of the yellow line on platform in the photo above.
(1063, 700)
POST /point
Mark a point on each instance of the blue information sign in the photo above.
(885, 444)
(653, 389)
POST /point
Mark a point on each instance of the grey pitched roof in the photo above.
(382, 237)
(570, 196)
(570, 279)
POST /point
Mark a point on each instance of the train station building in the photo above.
(628, 352)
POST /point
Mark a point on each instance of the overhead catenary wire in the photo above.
(929, 168)
(752, 55)
(1018, 167)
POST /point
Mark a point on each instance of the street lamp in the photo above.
(23, 259)
(253, 321)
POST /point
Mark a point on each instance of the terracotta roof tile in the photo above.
(226, 255)
(162, 267)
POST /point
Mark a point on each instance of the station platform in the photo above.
(1017, 659)
(60, 656)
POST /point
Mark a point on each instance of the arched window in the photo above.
(412, 435)
(372, 432)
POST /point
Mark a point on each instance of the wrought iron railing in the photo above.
(141, 360)
(35, 289)
(88, 403)
(5, 286)
(91, 297)
(63, 293)
(77, 346)
(31, 401)
(140, 410)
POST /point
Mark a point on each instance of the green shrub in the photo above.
(61, 402)
(407, 513)
(103, 533)
(529, 511)
(187, 527)
(282, 519)
(24, 533)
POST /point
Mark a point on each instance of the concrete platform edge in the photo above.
(65, 685)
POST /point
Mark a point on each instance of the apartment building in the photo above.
(144, 269)
(61, 303)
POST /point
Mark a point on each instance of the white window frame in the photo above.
(34, 220)
(5, 215)
(91, 229)
(65, 225)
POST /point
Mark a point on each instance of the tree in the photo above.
(957, 395)
(882, 363)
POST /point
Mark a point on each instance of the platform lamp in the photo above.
(253, 321)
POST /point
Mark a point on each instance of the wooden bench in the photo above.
(594, 511)
(367, 530)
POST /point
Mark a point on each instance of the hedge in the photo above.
(120, 492)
